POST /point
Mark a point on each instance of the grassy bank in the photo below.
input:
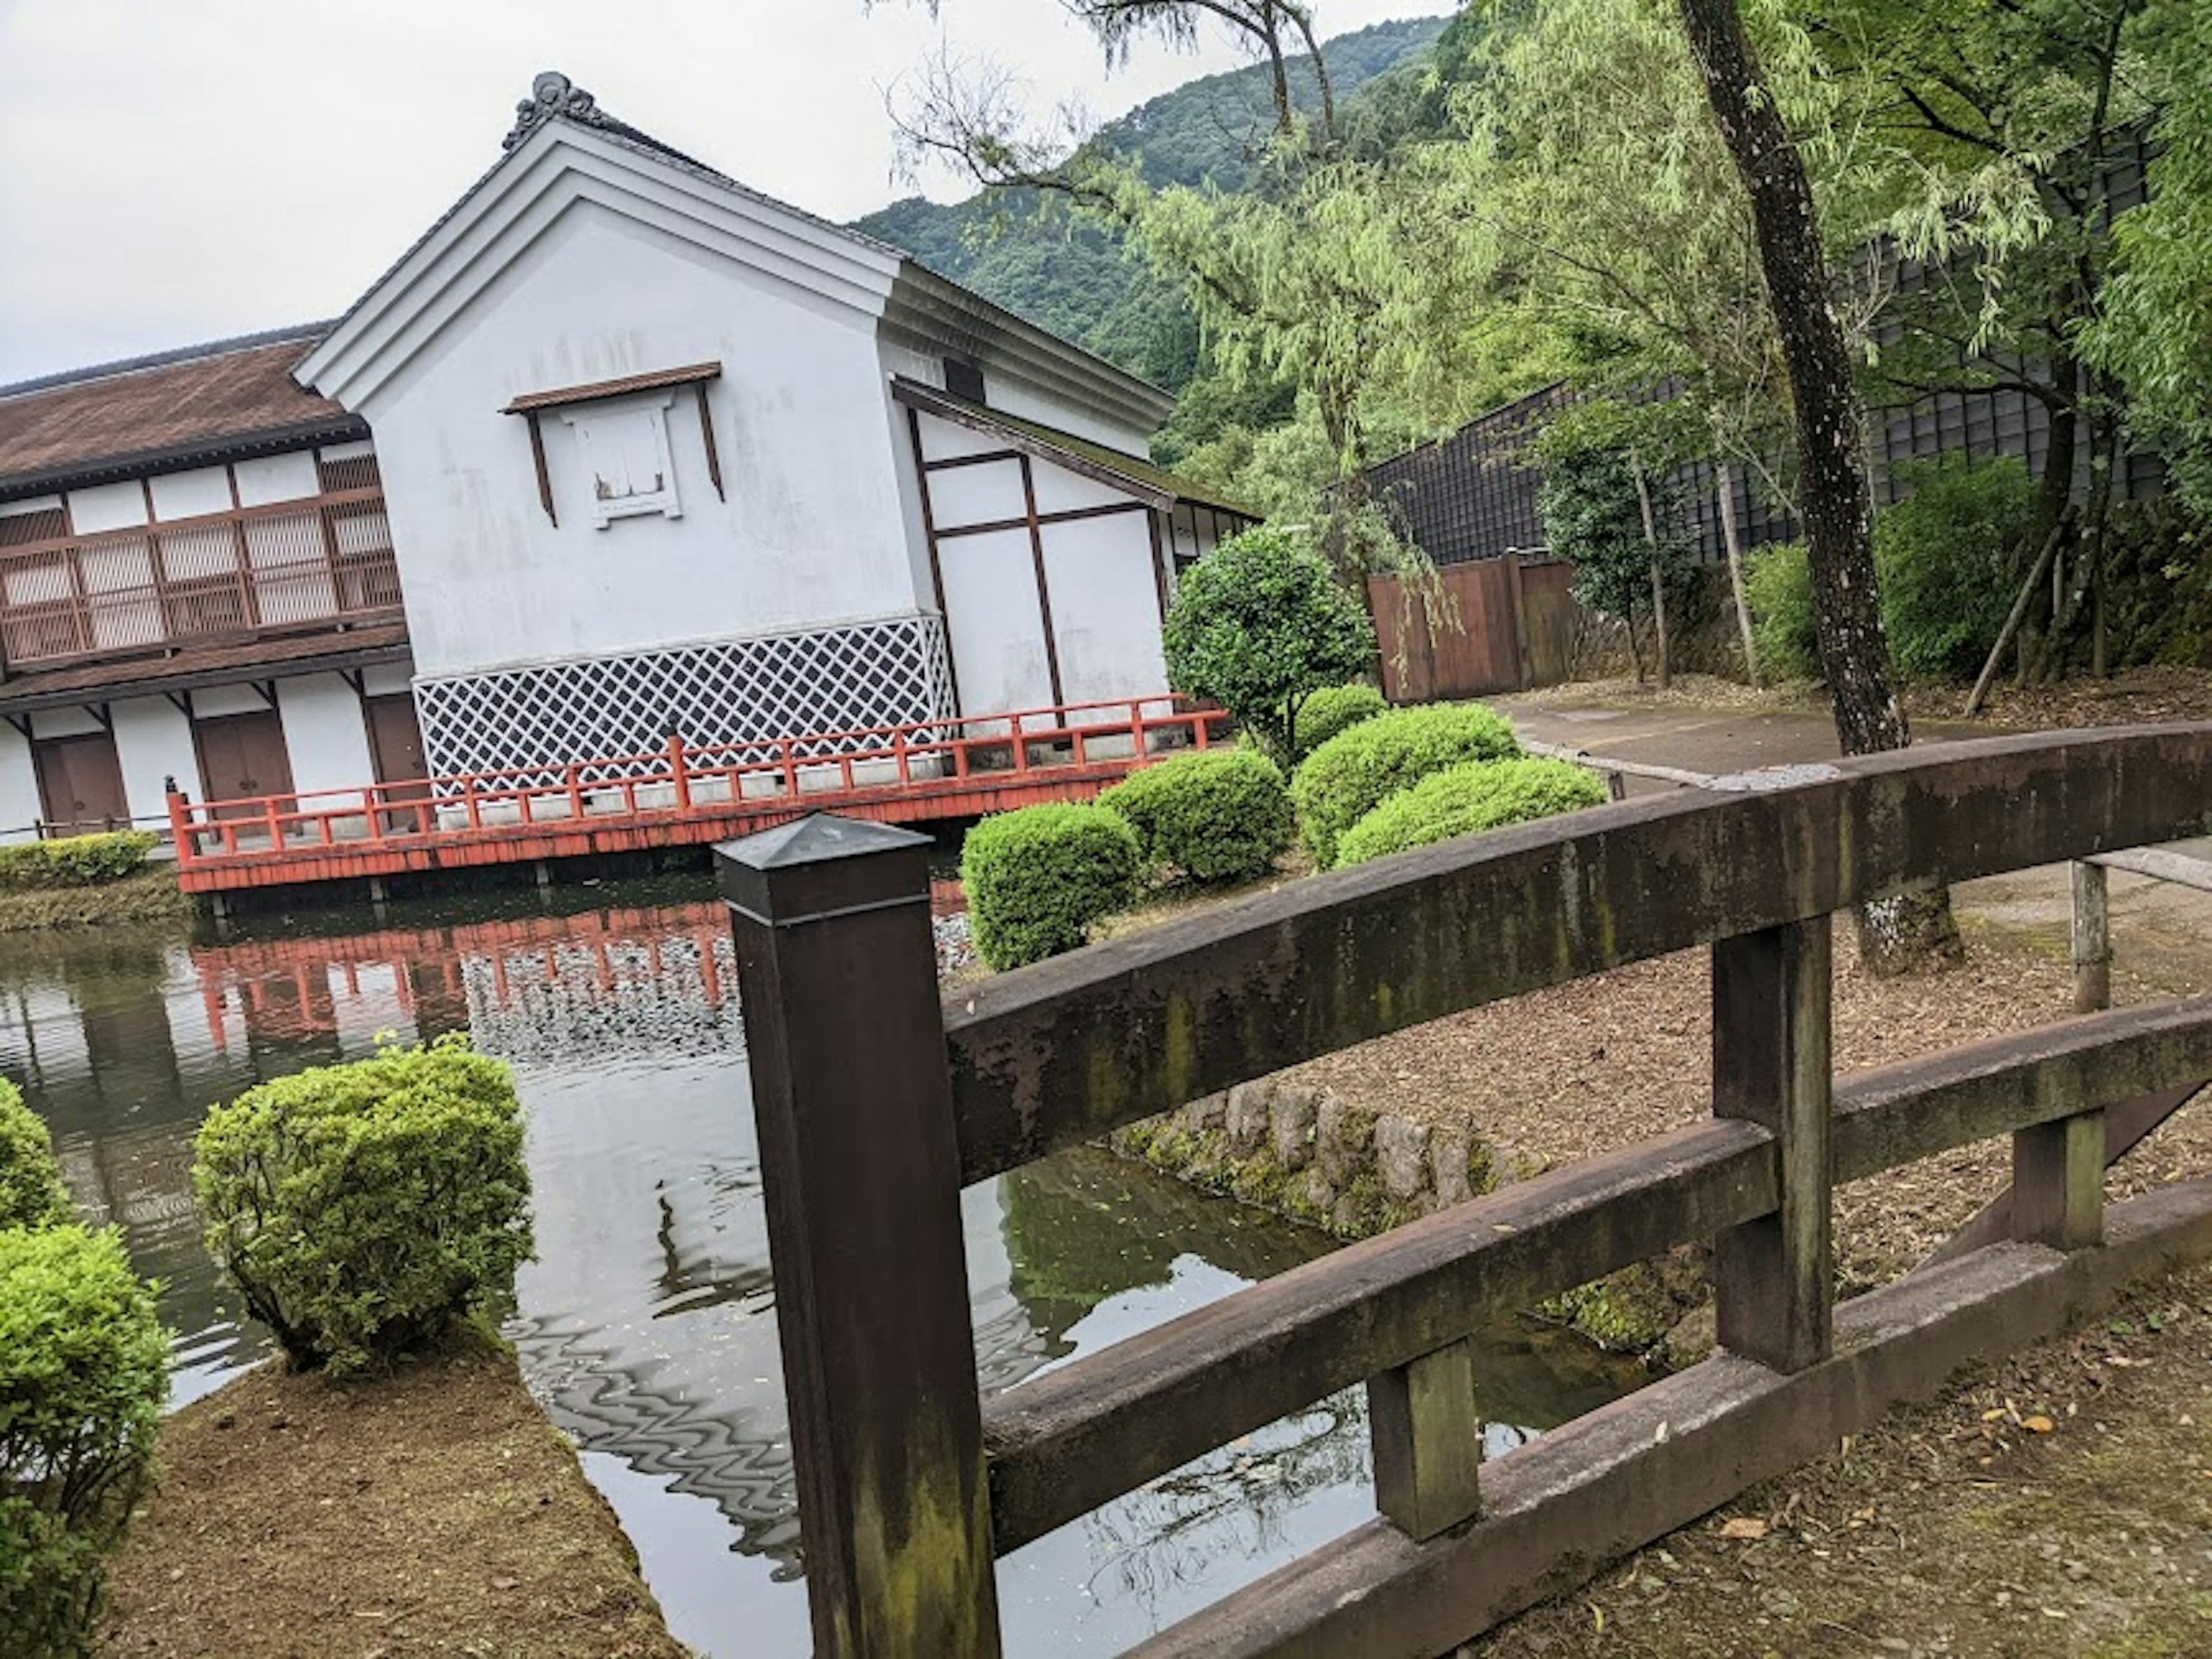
(147, 895)
(433, 1511)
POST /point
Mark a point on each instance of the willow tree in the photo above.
(1834, 501)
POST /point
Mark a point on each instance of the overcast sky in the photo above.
(175, 171)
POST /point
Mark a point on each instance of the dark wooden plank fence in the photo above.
(898, 1454)
(1516, 629)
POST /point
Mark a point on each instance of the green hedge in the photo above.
(1037, 878)
(75, 861)
(83, 1373)
(1778, 585)
(1335, 709)
(31, 1190)
(1217, 815)
(1481, 795)
(1358, 769)
(362, 1209)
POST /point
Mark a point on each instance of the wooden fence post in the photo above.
(2093, 939)
(1426, 1426)
(1773, 1278)
(861, 1175)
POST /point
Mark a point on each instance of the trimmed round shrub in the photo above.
(83, 1373)
(31, 1190)
(1214, 814)
(1484, 795)
(1358, 769)
(362, 1209)
(1038, 876)
(1335, 709)
(75, 861)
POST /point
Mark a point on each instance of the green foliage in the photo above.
(1463, 800)
(1335, 709)
(75, 861)
(1593, 519)
(361, 1209)
(83, 1372)
(31, 1190)
(1948, 558)
(1218, 815)
(1358, 769)
(2159, 555)
(1086, 282)
(2156, 331)
(1778, 583)
(1259, 625)
(1037, 878)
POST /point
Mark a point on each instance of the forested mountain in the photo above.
(1075, 277)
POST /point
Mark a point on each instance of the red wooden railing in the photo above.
(252, 570)
(765, 776)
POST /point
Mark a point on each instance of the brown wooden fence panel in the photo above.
(1516, 629)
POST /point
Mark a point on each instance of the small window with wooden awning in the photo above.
(621, 428)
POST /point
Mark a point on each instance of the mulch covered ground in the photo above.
(435, 1511)
(2059, 1506)
(1600, 1063)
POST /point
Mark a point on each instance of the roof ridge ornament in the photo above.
(550, 94)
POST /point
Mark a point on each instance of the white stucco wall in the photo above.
(327, 736)
(997, 629)
(812, 531)
(1105, 608)
(153, 740)
(19, 788)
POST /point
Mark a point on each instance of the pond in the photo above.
(647, 1324)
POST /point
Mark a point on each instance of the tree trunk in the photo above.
(1303, 21)
(1658, 581)
(1917, 927)
(2054, 493)
(1736, 573)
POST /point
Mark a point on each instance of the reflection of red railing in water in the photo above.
(953, 767)
(419, 956)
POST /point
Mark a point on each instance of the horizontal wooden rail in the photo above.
(1628, 1474)
(1053, 1054)
(1073, 1438)
(1078, 1436)
(2166, 864)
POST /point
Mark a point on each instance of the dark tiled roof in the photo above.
(260, 658)
(234, 397)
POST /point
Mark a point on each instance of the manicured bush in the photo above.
(362, 1209)
(1259, 625)
(1335, 709)
(75, 861)
(1948, 560)
(83, 1372)
(31, 1190)
(1357, 770)
(1214, 814)
(1778, 584)
(1482, 795)
(1037, 878)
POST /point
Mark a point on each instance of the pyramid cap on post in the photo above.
(822, 865)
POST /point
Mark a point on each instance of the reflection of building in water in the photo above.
(662, 995)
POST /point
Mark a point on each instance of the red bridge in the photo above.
(958, 766)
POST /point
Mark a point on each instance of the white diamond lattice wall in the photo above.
(871, 674)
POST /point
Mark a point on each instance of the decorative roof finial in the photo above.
(550, 94)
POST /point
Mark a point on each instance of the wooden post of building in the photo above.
(2093, 939)
(860, 1175)
(1773, 1281)
(1426, 1425)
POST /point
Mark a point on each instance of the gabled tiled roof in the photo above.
(193, 666)
(207, 402)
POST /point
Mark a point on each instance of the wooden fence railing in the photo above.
(876, 1104)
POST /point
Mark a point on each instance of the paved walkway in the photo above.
(2162, 934)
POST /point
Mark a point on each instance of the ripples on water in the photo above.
(647, 1324)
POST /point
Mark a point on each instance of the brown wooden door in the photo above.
(395, 745)
(81, 783)
(242, 757)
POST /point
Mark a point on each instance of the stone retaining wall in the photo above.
(1310, 1156)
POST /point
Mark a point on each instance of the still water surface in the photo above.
(647, 1324)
